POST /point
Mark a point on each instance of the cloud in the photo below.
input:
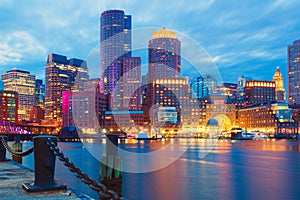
(19, 46)
(235, 34)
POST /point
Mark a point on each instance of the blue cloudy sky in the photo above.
(242, 37)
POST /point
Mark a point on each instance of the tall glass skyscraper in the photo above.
(294, 72)
(62, 75)
(115, 38)
(164, 55)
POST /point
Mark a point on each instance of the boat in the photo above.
(145, 136)
(236, 133)
(260, 136)
(247, 136)
(142, 136)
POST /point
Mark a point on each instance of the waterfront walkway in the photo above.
(13, 175)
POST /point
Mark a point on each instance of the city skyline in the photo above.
(260, 41)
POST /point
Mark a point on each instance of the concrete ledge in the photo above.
(13, 175)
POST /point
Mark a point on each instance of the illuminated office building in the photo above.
(294, 72)
(273, 119)
(279, 89)
(23, 83)
(167, 92)
(115, 44)
(259, 92)
(164, 65)
(62, 75)
(85, 110)
(198, 87)
(131, 83)
(164, 55)
(9, 106)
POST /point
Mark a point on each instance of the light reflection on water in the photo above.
(232, 170)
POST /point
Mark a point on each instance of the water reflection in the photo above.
(231, 170)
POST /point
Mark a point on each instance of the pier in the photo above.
(13, 175)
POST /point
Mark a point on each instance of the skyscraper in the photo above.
(23, 83)
(39, 92)
(115, 38)
(131, 83)
(164, 63)
(198, 87)
(279, 89)
(294, 72)
(62, 75)
(164, 55)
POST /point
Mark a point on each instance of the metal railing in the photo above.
(13, 152)
(44, 168)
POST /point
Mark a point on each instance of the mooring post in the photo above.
(44, 166)
(17, 146)
(3, 150)
(110, 165)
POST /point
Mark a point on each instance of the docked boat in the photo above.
(142, 136)
(260, 136)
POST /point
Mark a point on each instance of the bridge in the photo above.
(24, 131)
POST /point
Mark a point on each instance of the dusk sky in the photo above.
(242, 37)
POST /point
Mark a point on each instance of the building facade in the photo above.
(164, 51)
(128, 121)
(198, 87)
(62, 75)
(294, 72)
(23, 83)
(39, 93)
(9, 106)
(115, 44)
(273, 119)
(131, 83)
(259, 92)
(85, 110)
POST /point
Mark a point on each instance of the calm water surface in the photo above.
(232, 170)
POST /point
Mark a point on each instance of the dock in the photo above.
(13, 175)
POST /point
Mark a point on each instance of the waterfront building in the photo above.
(115, 44)
(164, 55)
(131, 83)
(218, 108)
(279, 89)
(167, 92)
(9, 106)
(124, 121)
(259, 92)
(62, 75)
(273, 119)
(294, 72)
(193, 117)
(164, 66)
(164, 120)
(23, 83)
(85, 110)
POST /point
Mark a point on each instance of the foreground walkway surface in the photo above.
(13, 175)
